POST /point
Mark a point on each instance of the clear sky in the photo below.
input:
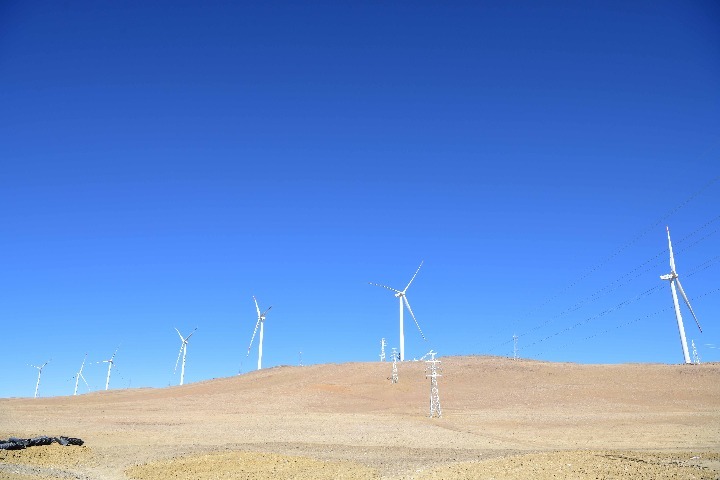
(163, 162)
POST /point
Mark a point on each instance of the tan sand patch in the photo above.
(589, 465)
(49, 456)
(249, 466)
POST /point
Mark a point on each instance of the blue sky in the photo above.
(162, 164)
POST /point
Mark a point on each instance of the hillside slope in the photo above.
(491, 407)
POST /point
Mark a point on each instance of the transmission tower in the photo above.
(395, 356)
(515, 355)
(696, 357)
(300, 359)
(431, 370)
(382, 349)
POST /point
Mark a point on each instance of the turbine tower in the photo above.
(260, 323)
(183, 351)
(40, 369)
(672, 277)
(79, 375)
(110, 363)
(403, 299)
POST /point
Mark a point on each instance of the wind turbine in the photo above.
(672, 277)
(260, 323)
(183, 350)
(79, 375)
(110, 363)
(403, 299)
(40, 368)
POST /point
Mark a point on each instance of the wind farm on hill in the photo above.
(501, 417)
(396, 240)
(689, 355)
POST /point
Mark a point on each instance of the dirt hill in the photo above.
(501, 418)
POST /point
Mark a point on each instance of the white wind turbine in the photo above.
(110, 363)
(183, 351)
(672, 277)
(40, 369)
(260, 323)
(403, 299)
(79, 375)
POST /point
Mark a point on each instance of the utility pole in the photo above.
(432, 368)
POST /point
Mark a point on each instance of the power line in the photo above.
(615, 285)
(642, 233)
(704, 266)
(600, 315)
(644, 317)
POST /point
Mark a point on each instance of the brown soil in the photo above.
(501, 419)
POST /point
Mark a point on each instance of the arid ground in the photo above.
(502, 419)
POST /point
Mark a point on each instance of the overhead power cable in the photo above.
(700, 268)
(618, 282)
(632, 241)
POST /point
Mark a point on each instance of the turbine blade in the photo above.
(687, 302)
(383, 286)
(407, 304)
(253, 336)
(413, 277)
(257, 307)
(672, 259)
(263, 314)
(191, 334)
(86, 383)
(178, 359)
(179, 335)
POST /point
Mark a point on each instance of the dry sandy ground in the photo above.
(502, 419)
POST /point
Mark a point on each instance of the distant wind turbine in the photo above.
(403, 299)
(260, 323)
(40, 369)
(79, 375)
(183, 351)
(672, 277)
(110, 363)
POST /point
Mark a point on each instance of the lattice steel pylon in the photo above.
(515, 355)
(383, 343)
(432, 370)
(395, 356)
(696, 356)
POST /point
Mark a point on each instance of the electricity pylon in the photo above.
(432, 368)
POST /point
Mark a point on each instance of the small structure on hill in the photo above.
(394, 378)
(696, 356)
(432, 370)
